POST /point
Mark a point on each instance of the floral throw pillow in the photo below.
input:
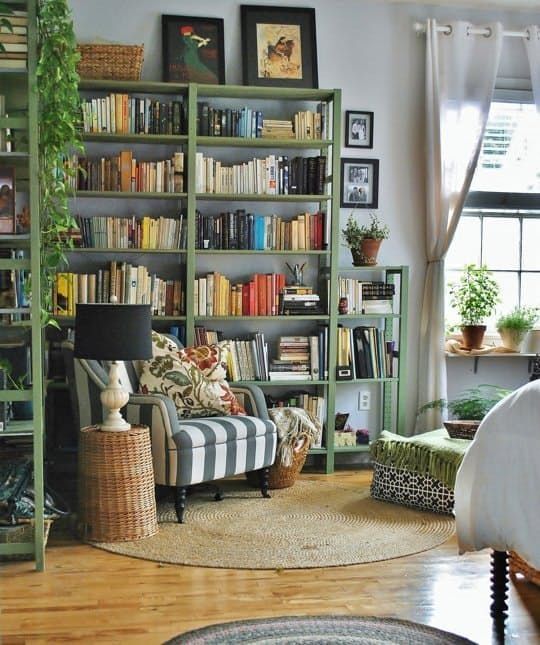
(171, 373)
(210, 359)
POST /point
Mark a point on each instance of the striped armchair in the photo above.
(185, 451)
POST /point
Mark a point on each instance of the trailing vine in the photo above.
(59, 136)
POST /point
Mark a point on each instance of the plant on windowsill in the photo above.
(468, 409)
(474, 296)
(514, 326)
(364, 241)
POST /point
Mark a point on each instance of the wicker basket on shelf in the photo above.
(280, 476)
(517, 565)
(461, 429)
(116, 62)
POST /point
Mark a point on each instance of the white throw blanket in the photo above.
(294, 427)
(497, 493)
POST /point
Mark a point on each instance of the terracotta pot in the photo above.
(366, 255)
(473, 336)
(512, 339)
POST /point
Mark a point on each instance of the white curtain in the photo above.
(532, 47)
(460, 76)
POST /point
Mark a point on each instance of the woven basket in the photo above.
(280, 476)
(21, 533)
(116, 485)
(517, 565)
(116, 62)
(461, 429)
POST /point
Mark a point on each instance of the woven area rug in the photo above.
(333, 630)
(311, 524)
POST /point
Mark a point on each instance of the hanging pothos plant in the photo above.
(59, 136)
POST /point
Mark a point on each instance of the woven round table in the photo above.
(116, 485)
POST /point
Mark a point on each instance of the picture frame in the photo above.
(193, 49)
(7, 200)
(279, 46)
(358, 129)
(360, 183)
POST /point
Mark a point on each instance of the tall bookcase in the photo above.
(239, 264)
(18, 86)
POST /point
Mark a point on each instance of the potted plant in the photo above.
(364, 241)
(514, 326)
(468, 409)
(22, 410)
(474, 296)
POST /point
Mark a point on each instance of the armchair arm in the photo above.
(252, 398)
(154, 410)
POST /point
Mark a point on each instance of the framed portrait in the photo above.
(358, 129)
(279, 46)
(7, 201)
(193, 49)
(360, 183)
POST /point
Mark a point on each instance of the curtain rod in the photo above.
(420, 27)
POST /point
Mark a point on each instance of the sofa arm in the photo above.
(156, 411)
(252, 398)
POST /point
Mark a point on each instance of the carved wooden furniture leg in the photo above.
(263, 478)
(180, 502)
(499, 589)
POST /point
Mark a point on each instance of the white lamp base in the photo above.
(114, 397)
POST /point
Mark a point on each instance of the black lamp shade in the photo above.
(113, 332)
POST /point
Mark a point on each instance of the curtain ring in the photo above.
(448, 30)
(489, 32)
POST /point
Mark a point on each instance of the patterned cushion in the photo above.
(210, 359)
(193, 393)
(411, 489)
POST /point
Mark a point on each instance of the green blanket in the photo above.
(432, 453)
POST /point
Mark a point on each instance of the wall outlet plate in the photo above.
(364, 400)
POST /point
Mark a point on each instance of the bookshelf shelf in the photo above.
(70, 320)
(261, 318)
(163, 139)
(15, 122)
(98, 250)
(259, 252)
(367, 380)
(278, 383)
(242, 197)
(368, 316)
(262, 142)
(112, 194)
(135, 87)
(19, 428)
(346, 449)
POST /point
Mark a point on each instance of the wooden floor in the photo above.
(97, 597)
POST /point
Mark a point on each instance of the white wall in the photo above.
(368, 49)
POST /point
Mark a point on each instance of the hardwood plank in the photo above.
(90, 595)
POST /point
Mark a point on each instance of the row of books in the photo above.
(363, 297)
(300, 358)
(241, 230)
(366, 352)
(215, 295)
(273, 175)
(104, 232)
(130, 284)
(250, 123)
(14, 39)
(123, 172)
(125, 114)
(13, 289)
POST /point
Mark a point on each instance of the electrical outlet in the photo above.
(364, 400)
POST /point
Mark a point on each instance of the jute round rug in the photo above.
(311, 524)
(333, 630)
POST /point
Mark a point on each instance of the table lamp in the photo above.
(113, 332)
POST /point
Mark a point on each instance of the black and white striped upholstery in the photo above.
(186, 451)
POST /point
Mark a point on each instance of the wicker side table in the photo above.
(116, 485)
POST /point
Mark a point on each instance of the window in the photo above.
(500, 224)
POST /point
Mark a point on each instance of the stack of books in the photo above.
(299, 300)
(298, 359)
(277, 129)
(14, 42)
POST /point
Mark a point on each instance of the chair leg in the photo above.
(499, 588)
(180, 502)
(263, 479)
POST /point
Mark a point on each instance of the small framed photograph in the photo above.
(360, 183)
(279, 46)
(7, 201)
(193, 49)
(358, 129)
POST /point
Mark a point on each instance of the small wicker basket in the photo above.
(281, 476)
(461, 429)
(517, 565)
(116, 62)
